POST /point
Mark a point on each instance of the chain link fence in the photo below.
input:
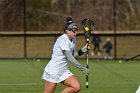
(29, 28)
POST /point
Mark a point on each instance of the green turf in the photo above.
(24, 76)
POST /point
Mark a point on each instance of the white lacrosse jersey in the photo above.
(58, 63)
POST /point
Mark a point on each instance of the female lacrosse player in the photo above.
(57, 71)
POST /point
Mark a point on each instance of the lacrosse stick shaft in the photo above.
(87, 63)
(132, 57)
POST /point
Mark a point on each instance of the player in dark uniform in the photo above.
(96, 40)
(108, 47)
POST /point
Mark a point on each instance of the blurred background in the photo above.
(29, 28)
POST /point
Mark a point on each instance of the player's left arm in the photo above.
(74, 62)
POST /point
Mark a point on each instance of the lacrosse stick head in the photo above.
(87, 25)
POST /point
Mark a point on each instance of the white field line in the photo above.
(23, 84)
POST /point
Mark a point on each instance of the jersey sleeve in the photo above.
(64, 44)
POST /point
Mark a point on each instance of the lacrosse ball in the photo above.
(120, 61)
(38, 60)
(86, 28)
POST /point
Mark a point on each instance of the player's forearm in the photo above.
(80, 52)
(74, 62)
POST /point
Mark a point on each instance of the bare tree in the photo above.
(11, 15)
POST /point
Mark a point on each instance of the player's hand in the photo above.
(87, 46)
(84, 49)
(86, 71)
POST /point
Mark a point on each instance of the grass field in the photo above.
(24, 76)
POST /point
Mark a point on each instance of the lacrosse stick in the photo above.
(132, 57)
(87, 25)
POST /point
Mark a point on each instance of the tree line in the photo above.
(45, 15)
